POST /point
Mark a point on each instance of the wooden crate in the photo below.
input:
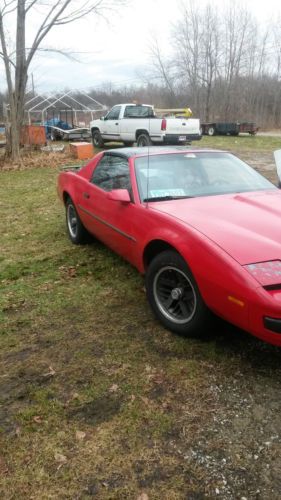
(81, 150)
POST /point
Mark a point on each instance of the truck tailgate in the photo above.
(182, 126)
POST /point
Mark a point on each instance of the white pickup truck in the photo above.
(138, 123)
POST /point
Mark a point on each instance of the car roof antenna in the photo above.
(147, 174)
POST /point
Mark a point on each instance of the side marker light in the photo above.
(236, 301)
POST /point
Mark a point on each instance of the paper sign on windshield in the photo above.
(155, 193)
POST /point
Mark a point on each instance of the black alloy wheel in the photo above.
(174, 295)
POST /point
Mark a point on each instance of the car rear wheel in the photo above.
(143, 140)
(174, 295)
(76, 231)
(97, 139)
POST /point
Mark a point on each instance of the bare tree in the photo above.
(163, 69)
(196, 41)
(50, 13)
(210, 54)
(237, 33)
(187, 43)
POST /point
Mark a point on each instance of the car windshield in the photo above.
(185, 175)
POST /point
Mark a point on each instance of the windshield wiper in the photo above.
(166, 198)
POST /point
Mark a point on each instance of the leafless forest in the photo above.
(224, 64)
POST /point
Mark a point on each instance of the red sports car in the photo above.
(202, 225)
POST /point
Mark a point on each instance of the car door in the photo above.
(111, 124)
(109, 220)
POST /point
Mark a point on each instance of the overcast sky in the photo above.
(116, 51)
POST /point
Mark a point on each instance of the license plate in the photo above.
(182, 138)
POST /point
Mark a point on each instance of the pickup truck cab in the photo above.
(138, 123)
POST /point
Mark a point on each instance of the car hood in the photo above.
(246, 225)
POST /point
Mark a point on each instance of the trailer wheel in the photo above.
(211, 131)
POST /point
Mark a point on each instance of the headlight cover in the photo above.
(266, 273)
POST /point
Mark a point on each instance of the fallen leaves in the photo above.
(60, 459)
(113, 388)
(37, 419)
(143, 496)
(4, 469)
(50, 373)
(80, 435)
(68, 271)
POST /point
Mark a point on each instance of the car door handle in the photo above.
(117, 123)
(86, 195)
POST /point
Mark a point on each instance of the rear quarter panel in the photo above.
(71, 182)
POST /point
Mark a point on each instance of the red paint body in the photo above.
(218, 236)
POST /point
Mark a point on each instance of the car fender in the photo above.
(220, 279)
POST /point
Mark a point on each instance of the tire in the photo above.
(143, 140)
(97, 139)
(77, 233)
(174, 296)
(211, 131)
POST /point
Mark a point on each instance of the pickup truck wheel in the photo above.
(76, 231)
(174, 295)
(143, 140)
(211, 131)
(97, 139)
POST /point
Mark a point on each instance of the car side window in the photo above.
(114, 113)
(112, 172)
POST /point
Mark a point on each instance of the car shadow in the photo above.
(233, 341)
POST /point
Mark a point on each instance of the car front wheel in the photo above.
(174, 295)
(76, 231)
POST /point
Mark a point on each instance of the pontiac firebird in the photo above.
(201, 225)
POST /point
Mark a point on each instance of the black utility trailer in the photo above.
(220, 128)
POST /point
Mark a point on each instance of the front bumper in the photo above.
(265, 316)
